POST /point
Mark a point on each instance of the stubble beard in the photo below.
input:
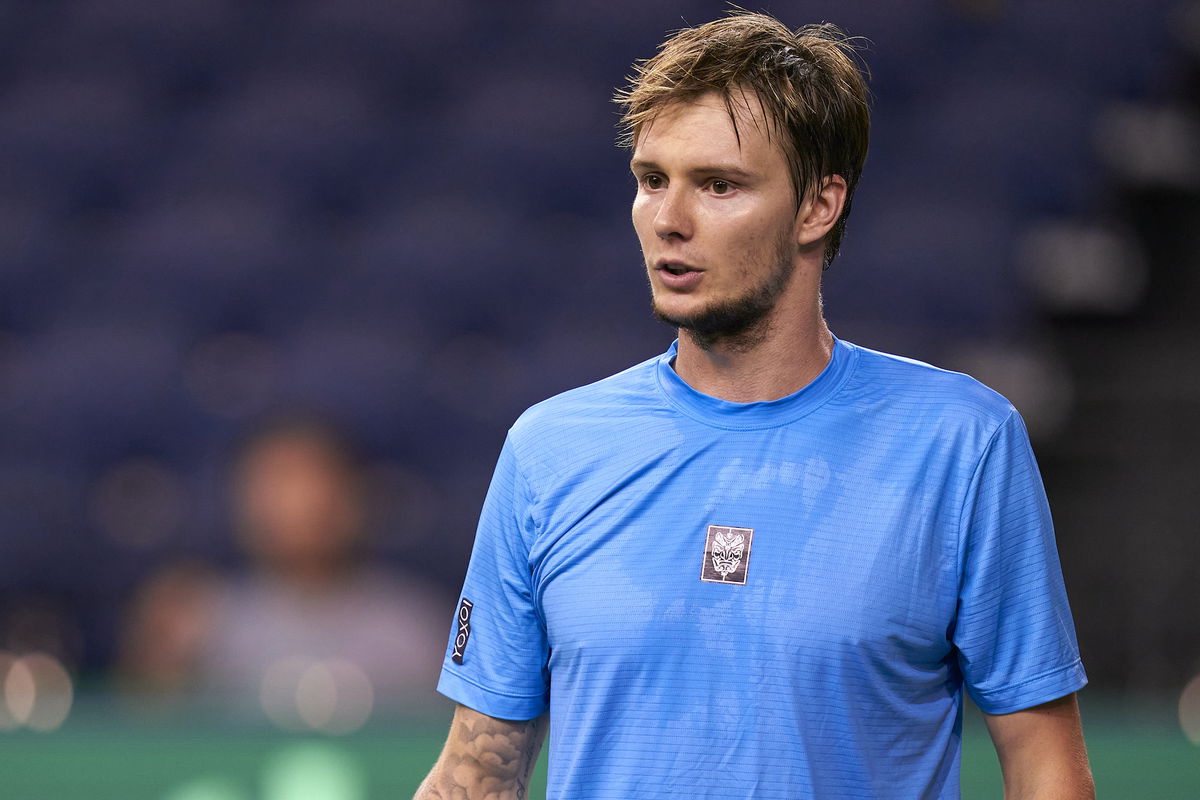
(738, 323)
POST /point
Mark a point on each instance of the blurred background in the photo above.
(275, 277)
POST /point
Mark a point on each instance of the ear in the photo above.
(821, 210)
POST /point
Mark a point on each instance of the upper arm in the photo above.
(1012, 628)
(501, 665)
(1041, 751)
(485, 756)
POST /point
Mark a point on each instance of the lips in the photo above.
(677, 276)
(675, 267)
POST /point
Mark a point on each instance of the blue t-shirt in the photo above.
(780, 599)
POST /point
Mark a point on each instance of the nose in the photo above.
(673, 217)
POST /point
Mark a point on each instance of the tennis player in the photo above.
(767, 563)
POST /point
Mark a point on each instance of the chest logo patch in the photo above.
(726, 554)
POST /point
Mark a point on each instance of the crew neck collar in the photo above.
(763, 414)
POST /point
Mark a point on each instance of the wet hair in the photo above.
(810, 83)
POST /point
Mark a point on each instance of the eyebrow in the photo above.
(643, 165)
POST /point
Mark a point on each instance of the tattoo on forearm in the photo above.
(485, 759)
(529, 752)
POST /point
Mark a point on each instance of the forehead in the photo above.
(709, 127)
(290, 452)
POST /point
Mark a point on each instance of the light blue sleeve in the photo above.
(504, 649)
(1014, 633)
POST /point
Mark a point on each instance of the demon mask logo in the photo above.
(726, 554)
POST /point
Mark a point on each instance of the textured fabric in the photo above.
(895, 546)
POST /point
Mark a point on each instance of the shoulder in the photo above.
(920, 402)
(585, 423)
(618, 397)
(918, 385)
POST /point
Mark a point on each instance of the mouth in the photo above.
(675, 268)
(676, 276)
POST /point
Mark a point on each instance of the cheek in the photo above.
(757, 232)
(641, 214)
(740, 235)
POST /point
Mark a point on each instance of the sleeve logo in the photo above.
(726, 554)
(464, 630)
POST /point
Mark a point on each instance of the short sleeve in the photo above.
(1013, 630)
(496, 658)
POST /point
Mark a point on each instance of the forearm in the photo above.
(483, 758)
(1060, 787)
(1042, 753)
(1067, 777)
(1057, 780)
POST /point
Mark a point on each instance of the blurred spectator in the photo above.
(310, 600)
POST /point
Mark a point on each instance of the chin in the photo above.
(668, 307)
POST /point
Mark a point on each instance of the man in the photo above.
(767, 563)
(310, 598)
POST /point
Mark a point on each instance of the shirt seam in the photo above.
(1041, 676)
(975, 473)
(532, 496)
(482, 688)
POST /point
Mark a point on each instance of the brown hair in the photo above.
(808, 81)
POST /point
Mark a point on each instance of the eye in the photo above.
(720, 187)
(653, 181)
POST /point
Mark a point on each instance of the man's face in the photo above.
(717, 219)
(296, 505)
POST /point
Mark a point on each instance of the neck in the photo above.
(782, 356)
